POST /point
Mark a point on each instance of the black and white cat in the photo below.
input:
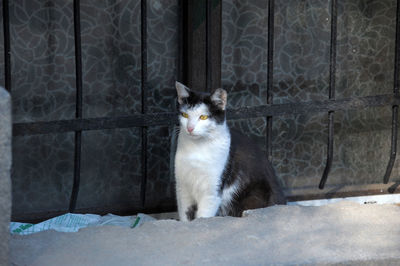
(218, 171)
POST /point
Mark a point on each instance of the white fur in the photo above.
(202, 128)
(199, 163)
(182, 91)
(226, 198)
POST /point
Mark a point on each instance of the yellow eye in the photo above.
(185, 115)
(203, 117)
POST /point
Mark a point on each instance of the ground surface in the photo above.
(342, 233)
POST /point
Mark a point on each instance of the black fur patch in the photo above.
(191, 212)
(248, 167)
(196, 98)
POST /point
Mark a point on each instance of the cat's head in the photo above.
(200, 113)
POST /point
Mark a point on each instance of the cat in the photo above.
(218, 171)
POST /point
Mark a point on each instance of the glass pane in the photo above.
(299, 149)
(160, 191)
(244, 51)
(301, 50)
(365, 52)
(253, 128)
(42, 59)
(362, 146)
(111, 57)
(162, 54)
(111, 169)
(42, 173)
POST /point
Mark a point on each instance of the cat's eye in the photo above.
(185, 115)
(203, 117)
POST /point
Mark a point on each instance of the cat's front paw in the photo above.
(191, 212)
(183, 218)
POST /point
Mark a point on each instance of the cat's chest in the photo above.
(207, 158)
(203, 155)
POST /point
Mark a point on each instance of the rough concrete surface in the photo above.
(342, 234)
(5, 166)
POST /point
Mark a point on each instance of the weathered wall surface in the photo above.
(336, 234)
(5, 171)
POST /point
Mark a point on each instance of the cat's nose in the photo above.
(190, 129)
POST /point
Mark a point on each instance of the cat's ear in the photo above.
(182, 90)
(219, 98)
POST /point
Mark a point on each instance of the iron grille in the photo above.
(144, 119)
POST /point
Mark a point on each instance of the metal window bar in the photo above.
(169, 118)
(395, 109)
(181, 49)
(209, 66)
(7, 51)
(332, 77)
(78, 112)
(212, 44)
(143, 100)
(270, 74)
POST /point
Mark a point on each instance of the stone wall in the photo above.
(5, 167)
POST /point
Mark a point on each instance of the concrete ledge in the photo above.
(5, 169)
(336, 234)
